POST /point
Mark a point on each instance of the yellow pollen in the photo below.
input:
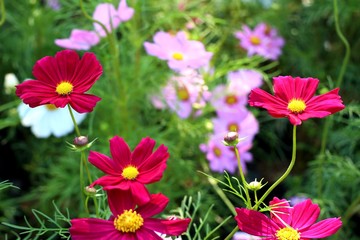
(217, 151)
(130, 173)
(233, 127)
(231, 99)
(128, 221)
(287, 233)
(255, 40)
(297, 106)
(178, 56)
(50, 107)
(183, 94)
(64, 88)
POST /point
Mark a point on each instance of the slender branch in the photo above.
(2, 12)
(241, 172)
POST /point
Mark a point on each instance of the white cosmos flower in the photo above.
(47, 119)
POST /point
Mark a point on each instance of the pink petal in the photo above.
(156, 205)
(107, 15)
(155, 50)
(93, 229)
(170, 227)
(322, 229)
(255, 223)
(144, 233)
(120, 152)
(142, 151)
(82, 103)
(304, 214)
(109, 182)
(34, 92)
(104, 163)
(79, 40)
(140, 193)
(280, 209)
(125, 13)
(275, 106)
(119, 201)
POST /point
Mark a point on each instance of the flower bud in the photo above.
(231, 139)
(255, 185)
(81, 141)
(90, 191)
(10, 82)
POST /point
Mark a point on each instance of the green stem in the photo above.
(2, 12)
(74, 121)
(91, 19)
(288, 170)
(232, 233)
(241, 172)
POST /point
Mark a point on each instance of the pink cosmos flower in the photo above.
(180, 52)
(62, 80)
(294, 98)
(286, 222)
(111, 17)
(226, 98)
(244, 80)
(128, 170)
(263, 41)
(79, 40)
(128, 221)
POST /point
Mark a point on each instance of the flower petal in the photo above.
(140, 193)
(322, 229)
(170, 227)
(144, 233)
(35, 93)
(280, 211)
(119, 201)
(156, 205)
(304, 214)
(82, 103)
(109, 182)
(120, 152)
(93, 229)
(142, 151)
(255, 223)
(104, 163)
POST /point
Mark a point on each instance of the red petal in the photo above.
(287, 87)
(104, 163)
(109, 182)
(83, 103)
(170, 227)
(142, 151)
(34, 92)
(322, 229)
(255, 223)
(144, 233)
(93, 229)
(120, 152)
(156, 205)
(140, 193)
(304, 214)
(119, 201)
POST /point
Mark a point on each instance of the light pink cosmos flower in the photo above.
(263, 41)
(129, 221)
(111, 17)
(79, 40)
(244, 80)
(178, 51)
(285, 222)
(221, 157)
(185, 94)
(226, 98)
(294, 98)
(128, 170)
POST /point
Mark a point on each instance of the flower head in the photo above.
(129, 221)
(180, 52)
(79, 40)
(62, 80)
(287, 223)
(48, 120)
(294, 98)
(128, 170)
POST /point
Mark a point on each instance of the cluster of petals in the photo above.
(61, 80)
(140, 222)
(185, 94)
(263, 40)
(48, 120)
(130, 170)
(179, 52)
(294, 99)
(108, 16)
(285, 222)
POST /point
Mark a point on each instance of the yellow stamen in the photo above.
(130, 172)
(217, 151)
(287, 233)
(231, 99)
(50, 107)
(128, 221)
(183, 94)
(233, 127)
(178, 56)
(296, 105)
(255, 40)
(64, 88)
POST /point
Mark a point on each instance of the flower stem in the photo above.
(241, 172)
(2, 12)
(288, 170)
(232, 233)
(74, 121)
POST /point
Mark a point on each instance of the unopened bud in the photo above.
(81, 141)
(231, 139)
(90, 189)
(255, 185)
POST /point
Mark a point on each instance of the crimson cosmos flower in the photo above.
(294, 98)
(130, 170)
(297, 223)
(62, 80)
(128, 222)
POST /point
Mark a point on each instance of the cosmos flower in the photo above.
(178, 51)
(128, 170)
(263, 41)
(129, 221)
(62, 80)
(226, 98)
(294, 98)
(285, 222)
(79, 40)
(244, 236)
(244, 80)
(111, 17)
(48, 120)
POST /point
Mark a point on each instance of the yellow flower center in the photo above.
(128, 221)
(64, 88)
(233, 127)
(217, 151)
(287, 233)
(178, 56)
(296, 105)
(50, 107)
(130, 173)
(231, 99)
(255, 40)
(183, 94)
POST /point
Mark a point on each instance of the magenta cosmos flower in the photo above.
(62, 80)
(180, 52)
(294, 98)
(129, 222)
(297, 223)
(128, 170)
